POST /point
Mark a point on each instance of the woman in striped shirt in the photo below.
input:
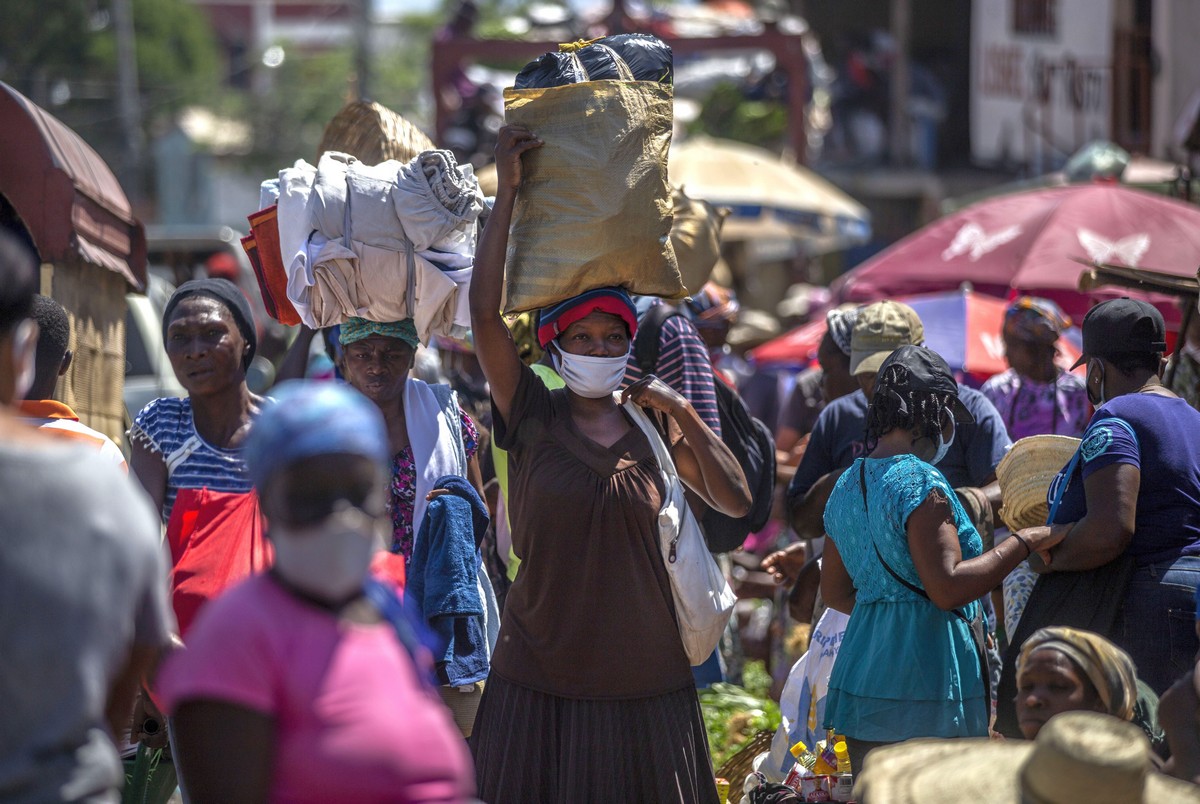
(195, 442)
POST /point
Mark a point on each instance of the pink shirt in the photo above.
(353, 722)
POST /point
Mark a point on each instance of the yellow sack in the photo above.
(594, 208)
(696, 238)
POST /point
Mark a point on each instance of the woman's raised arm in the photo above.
(493, 342)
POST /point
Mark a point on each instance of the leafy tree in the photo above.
(65, 60)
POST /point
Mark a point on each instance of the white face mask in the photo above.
(328, 560)
(590, 377)
(944, 444)
(24, 350)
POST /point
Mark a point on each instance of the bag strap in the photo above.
(447, 400)
(1062, 489)
(646, 342)
(666, 465)
(663, 455)
(974, 625)
(182, 453)
(903, 581)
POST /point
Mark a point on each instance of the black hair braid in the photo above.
(923, 410)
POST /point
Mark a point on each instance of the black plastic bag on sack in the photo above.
(600, 62)
(554, 69)
(645, 58)
(648, 57)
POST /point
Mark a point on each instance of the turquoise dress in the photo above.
(905, 668)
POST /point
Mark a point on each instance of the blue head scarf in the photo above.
(307, 419)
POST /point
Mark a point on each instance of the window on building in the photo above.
(1035, 17)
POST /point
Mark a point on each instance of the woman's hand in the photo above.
(1043, 539)
(653, 394)
(149, 726)
(512, 143)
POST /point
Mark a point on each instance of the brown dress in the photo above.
(591, 696)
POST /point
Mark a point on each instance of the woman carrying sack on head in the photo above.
(591, 696)
(905, 560)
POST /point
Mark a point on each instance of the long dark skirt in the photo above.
(533, 747)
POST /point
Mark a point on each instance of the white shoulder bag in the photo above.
(703, 599)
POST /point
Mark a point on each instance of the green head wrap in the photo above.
(357, 329)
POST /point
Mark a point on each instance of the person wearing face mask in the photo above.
(905, 559)
(590, 696)
(308, 682)
(1132, 495)
(837, 438)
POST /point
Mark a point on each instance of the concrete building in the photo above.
(1049, 76)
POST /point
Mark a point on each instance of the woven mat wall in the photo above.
(94, 299)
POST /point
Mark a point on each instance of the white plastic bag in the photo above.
(703, 599)
(802, 703)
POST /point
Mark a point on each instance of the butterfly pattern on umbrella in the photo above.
(972, 239)
(1128, 250)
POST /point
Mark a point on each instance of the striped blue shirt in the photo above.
(684, 365)
(166, 427)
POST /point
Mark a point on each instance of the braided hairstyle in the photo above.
(897, 405)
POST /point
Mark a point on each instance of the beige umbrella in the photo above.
(768, 197)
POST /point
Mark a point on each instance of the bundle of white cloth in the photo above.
(382, 242)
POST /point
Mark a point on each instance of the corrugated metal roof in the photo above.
(64, 192)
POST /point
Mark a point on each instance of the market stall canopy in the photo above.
(65, 194)
(1095, 161)
(1027, 242)
(767, 196)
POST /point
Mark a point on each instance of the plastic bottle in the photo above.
(804, 765)
(843, 790)
(842, 752)
(826, 760)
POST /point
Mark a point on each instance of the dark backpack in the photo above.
(748, 439)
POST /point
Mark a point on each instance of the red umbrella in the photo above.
(963, 327)
(1027, 241)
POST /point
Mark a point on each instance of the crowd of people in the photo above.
(382, 586)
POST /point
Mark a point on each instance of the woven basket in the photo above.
(741, 764)
(373, 133)
(1025, 475)
(94, 299)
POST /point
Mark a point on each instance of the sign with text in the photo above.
(1041, 79)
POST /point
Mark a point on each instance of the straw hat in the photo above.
(1025, 475)
(1077, 757)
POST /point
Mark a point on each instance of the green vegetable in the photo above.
(733, 714)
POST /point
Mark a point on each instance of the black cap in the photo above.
(1122, 327)
(926, 372)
